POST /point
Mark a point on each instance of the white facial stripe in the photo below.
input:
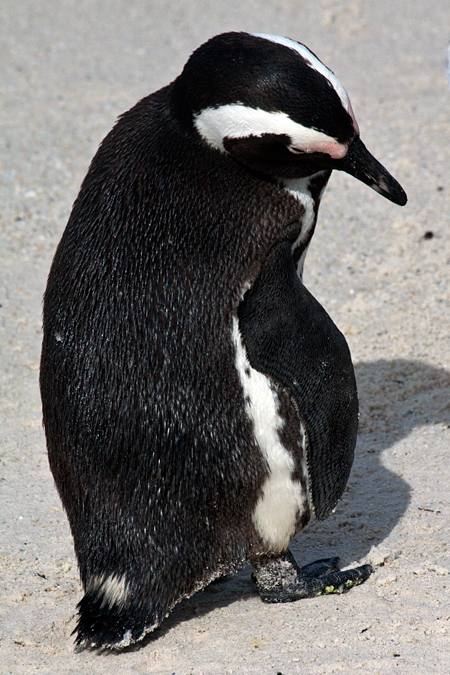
(236, 120)
(317, 66)
(314, 63)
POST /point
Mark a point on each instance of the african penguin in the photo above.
(199, 404)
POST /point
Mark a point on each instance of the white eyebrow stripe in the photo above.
(236, 120)
(315, 64)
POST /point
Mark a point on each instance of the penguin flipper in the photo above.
(290, 337)
(282, 580)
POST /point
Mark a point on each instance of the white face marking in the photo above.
(113, 589)
(236, 120)
(282, 499)
(317, 66)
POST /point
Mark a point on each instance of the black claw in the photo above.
(281, 579)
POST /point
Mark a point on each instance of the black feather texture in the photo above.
(149, 438)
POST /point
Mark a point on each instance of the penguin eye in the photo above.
(266, 145)
(273, 155)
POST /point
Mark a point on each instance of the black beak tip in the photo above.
(363, 166)
(402, 199)
(394, 191)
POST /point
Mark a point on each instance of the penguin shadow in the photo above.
(395, 397)
(220, 593)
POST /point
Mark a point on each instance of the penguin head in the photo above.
(269, 103)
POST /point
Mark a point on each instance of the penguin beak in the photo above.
(358, 162)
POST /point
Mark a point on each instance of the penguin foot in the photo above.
(282, 580)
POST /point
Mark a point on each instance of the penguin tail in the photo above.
(110, 619)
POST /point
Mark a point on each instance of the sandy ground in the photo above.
(67, 70)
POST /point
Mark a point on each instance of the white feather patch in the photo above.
(282, 498)
(113, 590)
(313, 62)
(236, 120)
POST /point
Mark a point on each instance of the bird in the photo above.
(199, 404)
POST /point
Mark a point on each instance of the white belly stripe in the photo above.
(282, 498)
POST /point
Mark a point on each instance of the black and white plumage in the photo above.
(199, 404)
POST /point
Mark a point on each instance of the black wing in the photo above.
(290, 337)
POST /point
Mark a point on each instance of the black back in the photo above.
(148, 440)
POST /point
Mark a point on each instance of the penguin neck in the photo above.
(308, 191)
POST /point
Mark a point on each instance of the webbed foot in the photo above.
(282, 580)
